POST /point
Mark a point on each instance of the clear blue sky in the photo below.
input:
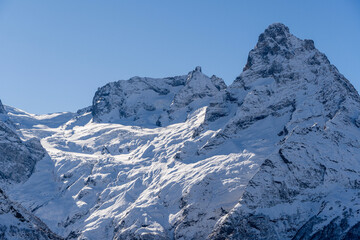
(55, 54)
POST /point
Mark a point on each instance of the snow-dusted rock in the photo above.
(306, 189)
(153, 102)
(138, 100)
(17, 223)
(17, 162)
(17, 157)
(2, 109)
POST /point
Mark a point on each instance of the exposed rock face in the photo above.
(2, 109)
(273, 156)
(17, 157)
(17, 223)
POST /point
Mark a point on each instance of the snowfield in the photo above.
(98, 177)
(275, 155)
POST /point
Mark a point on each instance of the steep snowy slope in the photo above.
(273, 156)
(17, 223)
(17, 163)
(17, 157)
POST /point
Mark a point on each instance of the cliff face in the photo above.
(2, 109)
(17, 223)
(17, 157)
(275, 155)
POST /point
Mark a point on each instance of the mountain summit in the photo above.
(275, 155)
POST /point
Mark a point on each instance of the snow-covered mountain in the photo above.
(17, 162)
(275, 155)
(155, 102)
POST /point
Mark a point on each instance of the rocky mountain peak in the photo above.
(194, 74)
(276, 31)
(281, 57)
(198, 69)
(2, 109)
(286, 75)
(155, 102)
(276, 41)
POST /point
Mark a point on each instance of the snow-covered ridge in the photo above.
(275, 155)
(155, 102)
